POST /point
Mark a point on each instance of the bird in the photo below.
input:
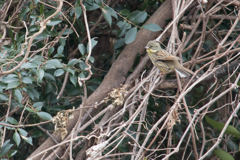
(165, 61)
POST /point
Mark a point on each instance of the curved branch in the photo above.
(89, 41)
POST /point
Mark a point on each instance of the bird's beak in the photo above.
(146, 47)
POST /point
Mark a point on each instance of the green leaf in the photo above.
(112, 12)
(58, 55)
(36, 1)
(91, 7)
(34, 91)
(122, 32)
(3, 86)
(49, 76)
(17, 138)
(49, 88)
(60, 50)
(69, 70)
(27, 139)
(22, 132)
(29, 109)
(107, 16)
(44, 115)
(33, 16)
(53, 22)
(67, 32)
(37, 133)
(230, 129)
(73, 79)
(27, 80)
(33, 28)
(123, 25)
(62, 42)
(78, 11)
(93, 42)
(90, 2)
(9, 79)
(3, 97)
(43, 35)
(49, 66)
(99, 2)
(131, 35)
(57, 108)
(138, 16)
(96, 80)
(55, 62)
(41, 9)
(82, 65)
(10, 128)
(24, 12)
(5, 148)
(12, 75)
(40, 74)
(12, 120)
(12, 85)
(125, 12)
(81, 49)
(119, 43)
(48, 13)
(92, 88)
(20, 38)
(59, 72)
(37, 60)
(18, 95)
(12, 153)
(11, 33)
(30, 93)
(50, 50)
(72, 62)
(145, 4)
(152, 27)
(81, 75)
(38, 104)
(222, 154)
(6, 48)
(91, 59)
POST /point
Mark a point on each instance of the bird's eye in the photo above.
(151, 46)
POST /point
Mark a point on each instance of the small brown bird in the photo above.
(165, 61)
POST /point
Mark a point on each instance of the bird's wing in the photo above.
(170, 57)
(163, 66)
(165, 55)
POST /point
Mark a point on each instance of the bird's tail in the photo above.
(184, 72)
